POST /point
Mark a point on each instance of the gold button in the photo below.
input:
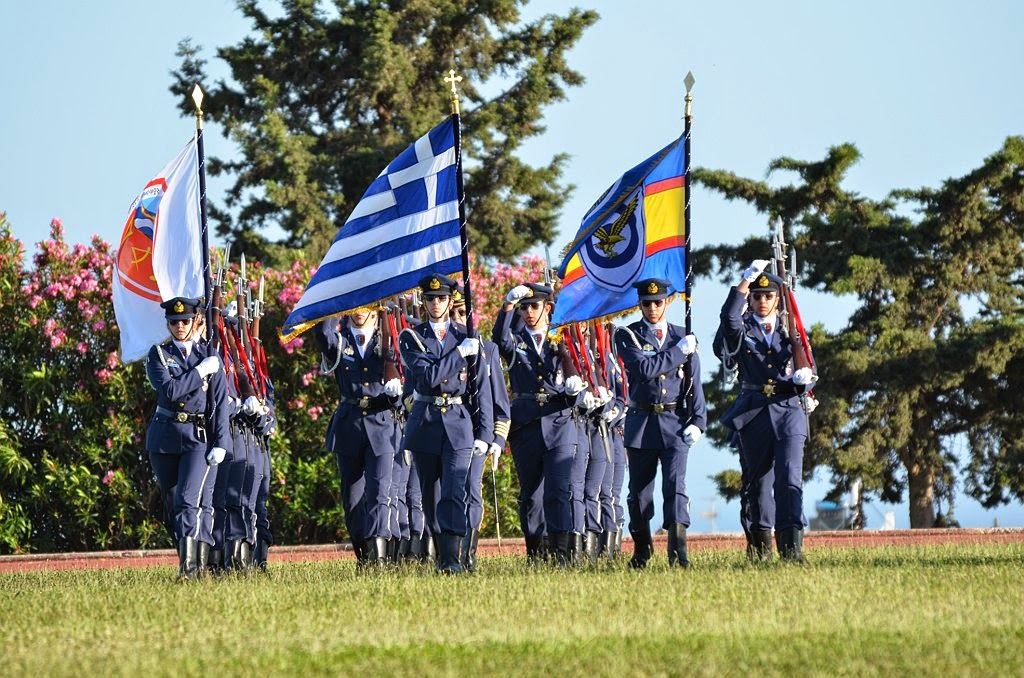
(443, 410)
(769, 352)
(771, 381)
(181, 405)
(364, 413)
(444, 381)
(540, 378)
(366, 383)
(663, 376)
(366, 369)
(769, 364)
(663, 391)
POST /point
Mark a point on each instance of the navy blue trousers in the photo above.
(443, 479)
(190, 479)
(475, 491)
(399, 497)
(643, 466)
(365, 474)
(545, 494)
(618, 477)
(772, 476)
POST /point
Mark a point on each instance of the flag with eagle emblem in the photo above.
(635, 230)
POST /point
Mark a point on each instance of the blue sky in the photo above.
(925, 89)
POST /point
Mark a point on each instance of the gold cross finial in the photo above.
(454, 79)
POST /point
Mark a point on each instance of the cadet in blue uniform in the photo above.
(767, 414)
(264, 427)
(363, 430)
(441, 431)
(495, 378)
(189, 432)
(544, 435)
(665, 418)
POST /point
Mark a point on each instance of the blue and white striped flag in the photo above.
(405, 226)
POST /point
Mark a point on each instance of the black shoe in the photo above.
(642, 549)
(467, 551)
(188, 559)
(534, 549)
(759, 546)
(791, 544)
(677, 546)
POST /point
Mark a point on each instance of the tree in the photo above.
(927, 370)
(324, 97)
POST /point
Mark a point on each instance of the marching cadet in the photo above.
(264, 426)
(543, 436)
(665, 418)
(442, 432)
(495, 379)
(188, 434)
(767, 414)
(364, 428)
(615, 471)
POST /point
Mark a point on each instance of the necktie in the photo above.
(767, 328)
(440, 335)
(658, 334)
(360, 339)
(537, 338)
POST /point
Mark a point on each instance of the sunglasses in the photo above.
(647, 303)
(184, 321)
(763, 295)
(531, 304)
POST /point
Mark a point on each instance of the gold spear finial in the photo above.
(197, 99)
(454, 80)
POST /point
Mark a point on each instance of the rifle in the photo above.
(791, 323)
(387, 333)
(219, 334)
(243, 346)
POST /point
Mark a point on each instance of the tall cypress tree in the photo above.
(923, 385)
(323, 95)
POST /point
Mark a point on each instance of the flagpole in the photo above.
(197, 99)
(687, 120)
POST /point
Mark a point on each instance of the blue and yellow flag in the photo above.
(634, 231)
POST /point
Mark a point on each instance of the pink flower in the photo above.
(109, 477)
(81, 347)
(110, 443)
(103, 375)
(99, 326)
(112, 360)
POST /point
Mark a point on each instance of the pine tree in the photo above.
(926, 374)
(323, 95)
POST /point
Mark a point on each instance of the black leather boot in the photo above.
(791, 544)
(576, 549)
(359, 548)
(468, 550)
(259, 556)
(204, 558)
(431, 549)
(188, 559)
(216, 562)
(759, 546)
(677, 546)
(618, 541)
(534, 549)
(642, 548)
(377, 552)
(561, 544)
(448, 553)
(393, 551)
(404, 550)
(608, 549)
(245, 556)
(590, 548)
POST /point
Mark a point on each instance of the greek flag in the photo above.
(405, 226)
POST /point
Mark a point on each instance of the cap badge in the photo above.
(435, 284)
(179, 307)
(652, 288)
(762, 281)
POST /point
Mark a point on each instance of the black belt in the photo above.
(781, 389)
(544, 398)
(657, 408)
(182, 417)
(443, 400)
(375, 403)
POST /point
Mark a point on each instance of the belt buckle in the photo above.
(181, 417)
(768, 390)
(658, 408)
(542, 398)
(439, 401)
(364, 402)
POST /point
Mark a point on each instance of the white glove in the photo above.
(803, 376)
(393, 388)
(469, 346)
(687, 344)
(810, 404)
(235, 404)
(208, 366)
(590, 402)
(495, 450)
(215, 455)
(573, 385)
(252, 406)
(755, 269)
(518, 292)
(604, 394)
(610, 414)
(691, 434)
(479, 448)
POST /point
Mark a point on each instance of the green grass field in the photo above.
(936, 610)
